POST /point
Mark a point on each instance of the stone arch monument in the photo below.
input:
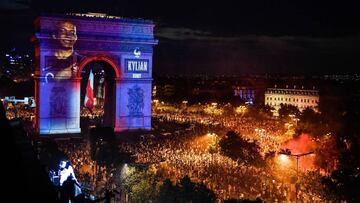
(65, 44)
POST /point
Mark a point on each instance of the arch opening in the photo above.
(102, 58)
(104, 95)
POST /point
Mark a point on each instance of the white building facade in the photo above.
(300, 98)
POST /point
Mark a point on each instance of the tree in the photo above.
(326, 153)
(237, 148)
(167, 192)
(243, 201)
(311, 184)
(214, 144)
(285, 110)
(194, 192)
(344, 182)
(228, 110)
(140, 184)
(266, 109)
(185, 191)
(313, 123)
(309, 115)
(104, 149)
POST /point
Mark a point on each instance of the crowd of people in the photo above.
(180, 147)
(178, 151)
(177, 156)
(269, 134)
(19, 110)
(25, 112)
(97, 111)
(94, 178)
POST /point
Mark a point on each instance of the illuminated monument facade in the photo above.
(65, 44)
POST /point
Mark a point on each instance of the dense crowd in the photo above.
(177, 156)
(174, 157)
(97, 111)
(93, 177)
(269, 134)
(177, 151)
(25, 112)
(19, 110)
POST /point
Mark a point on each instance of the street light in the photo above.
(296, 120)
(297, 156)
(288, 125)
(210, 134)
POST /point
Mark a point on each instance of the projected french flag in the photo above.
(89, 96)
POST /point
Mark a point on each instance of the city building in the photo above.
(301, 98)
(245, 93)
(17, 66)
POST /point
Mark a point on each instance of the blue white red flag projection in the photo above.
(65, 44)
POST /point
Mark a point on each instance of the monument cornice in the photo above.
(41, 36)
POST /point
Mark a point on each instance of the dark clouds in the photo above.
(14, 5)
(264, 17)
(194, 51)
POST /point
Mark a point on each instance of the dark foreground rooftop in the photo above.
(24, 178)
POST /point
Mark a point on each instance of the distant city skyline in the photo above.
(249, 37)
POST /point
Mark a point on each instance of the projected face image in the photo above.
(63, 64)
(66, 36)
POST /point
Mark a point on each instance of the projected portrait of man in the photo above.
(63, 64)
(66, 35)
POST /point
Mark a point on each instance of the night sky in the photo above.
(223, 37)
